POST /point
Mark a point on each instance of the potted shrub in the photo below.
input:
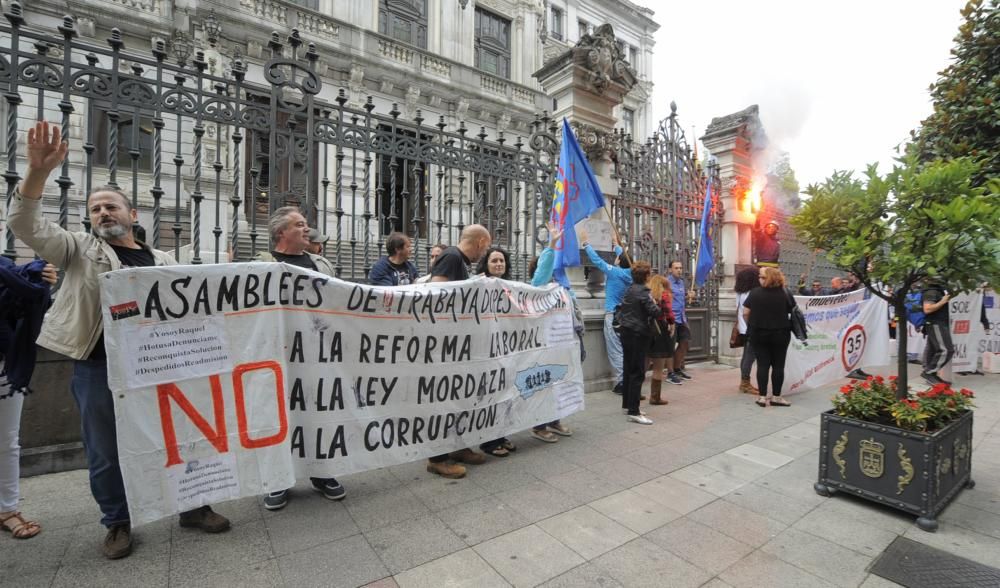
(913, 453)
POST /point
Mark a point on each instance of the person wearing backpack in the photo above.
(937, 328)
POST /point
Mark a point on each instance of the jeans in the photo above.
(97, 415)
(771, 347)
(746, 362)
(614, 346)
(634, 364)
(10, 450)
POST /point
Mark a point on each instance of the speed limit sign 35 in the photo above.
(852, 347)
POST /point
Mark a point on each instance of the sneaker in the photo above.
(682, 374)
(640, 419)
(206, 519)
(561, 430)
(543, 435)
(674, 379)
(330, 488)
(118, 541)
(619, 388)
(858, 374)
(446, 469)
(276, 500)
(930, 378)
(468, 456)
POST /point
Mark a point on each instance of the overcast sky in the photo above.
(839, 84)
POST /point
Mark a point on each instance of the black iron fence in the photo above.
(207, 152)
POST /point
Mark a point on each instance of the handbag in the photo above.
(736, 339)
(798, 320)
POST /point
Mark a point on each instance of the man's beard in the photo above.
(115, 231)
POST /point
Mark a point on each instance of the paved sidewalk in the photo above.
(718, 492)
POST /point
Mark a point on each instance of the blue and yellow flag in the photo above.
(576, 197)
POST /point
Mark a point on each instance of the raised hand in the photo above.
(46, 150)
(555, 233)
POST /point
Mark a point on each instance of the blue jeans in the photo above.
(614, 346)
(100, 440)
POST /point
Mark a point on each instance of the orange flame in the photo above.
(752, 202)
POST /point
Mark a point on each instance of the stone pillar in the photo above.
(733, 141)
(587, 83)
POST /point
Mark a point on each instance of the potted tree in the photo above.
(884, 441)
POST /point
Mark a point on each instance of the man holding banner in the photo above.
(292, 238)
(453, 265)
(74, 325)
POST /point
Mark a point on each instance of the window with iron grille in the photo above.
(492, 43)
(404, 20)
(129, 135)
(557, 23)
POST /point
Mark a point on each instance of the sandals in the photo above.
(499, 451)
(508, 445)
(779, 401)
(761, 402)
(20, 528)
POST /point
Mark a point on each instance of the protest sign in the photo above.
(846, 332)
(234, 380)
(966, 330)
(990, 342)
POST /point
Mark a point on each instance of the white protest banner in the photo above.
(234, 380)
(966, 330)
(846, 332)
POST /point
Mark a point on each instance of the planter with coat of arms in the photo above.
(913, 453)
(915, 472)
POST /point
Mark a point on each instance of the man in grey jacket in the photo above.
(74, 327)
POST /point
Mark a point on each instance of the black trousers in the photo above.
(770, 346)
(939, 350)
(634, 348)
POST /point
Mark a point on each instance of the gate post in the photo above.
(586, 84)
(734, 140)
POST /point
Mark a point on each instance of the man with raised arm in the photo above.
(74, 325)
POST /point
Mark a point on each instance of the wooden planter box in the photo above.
(918, 473)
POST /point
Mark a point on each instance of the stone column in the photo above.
(733, 140)
(586, 83)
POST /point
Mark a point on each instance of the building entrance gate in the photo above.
(207, 152)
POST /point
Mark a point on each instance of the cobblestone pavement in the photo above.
(716, 493)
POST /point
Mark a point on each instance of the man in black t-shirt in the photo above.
(74, 326)
(453, 265)
(937, 328)
(395, 269)
(291, 237)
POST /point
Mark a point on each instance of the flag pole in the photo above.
(618, 237)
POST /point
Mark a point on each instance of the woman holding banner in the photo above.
(496, 264)
(540, 272)
(766, 311)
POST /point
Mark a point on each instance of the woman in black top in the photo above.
(766, 312)
(637, 312)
